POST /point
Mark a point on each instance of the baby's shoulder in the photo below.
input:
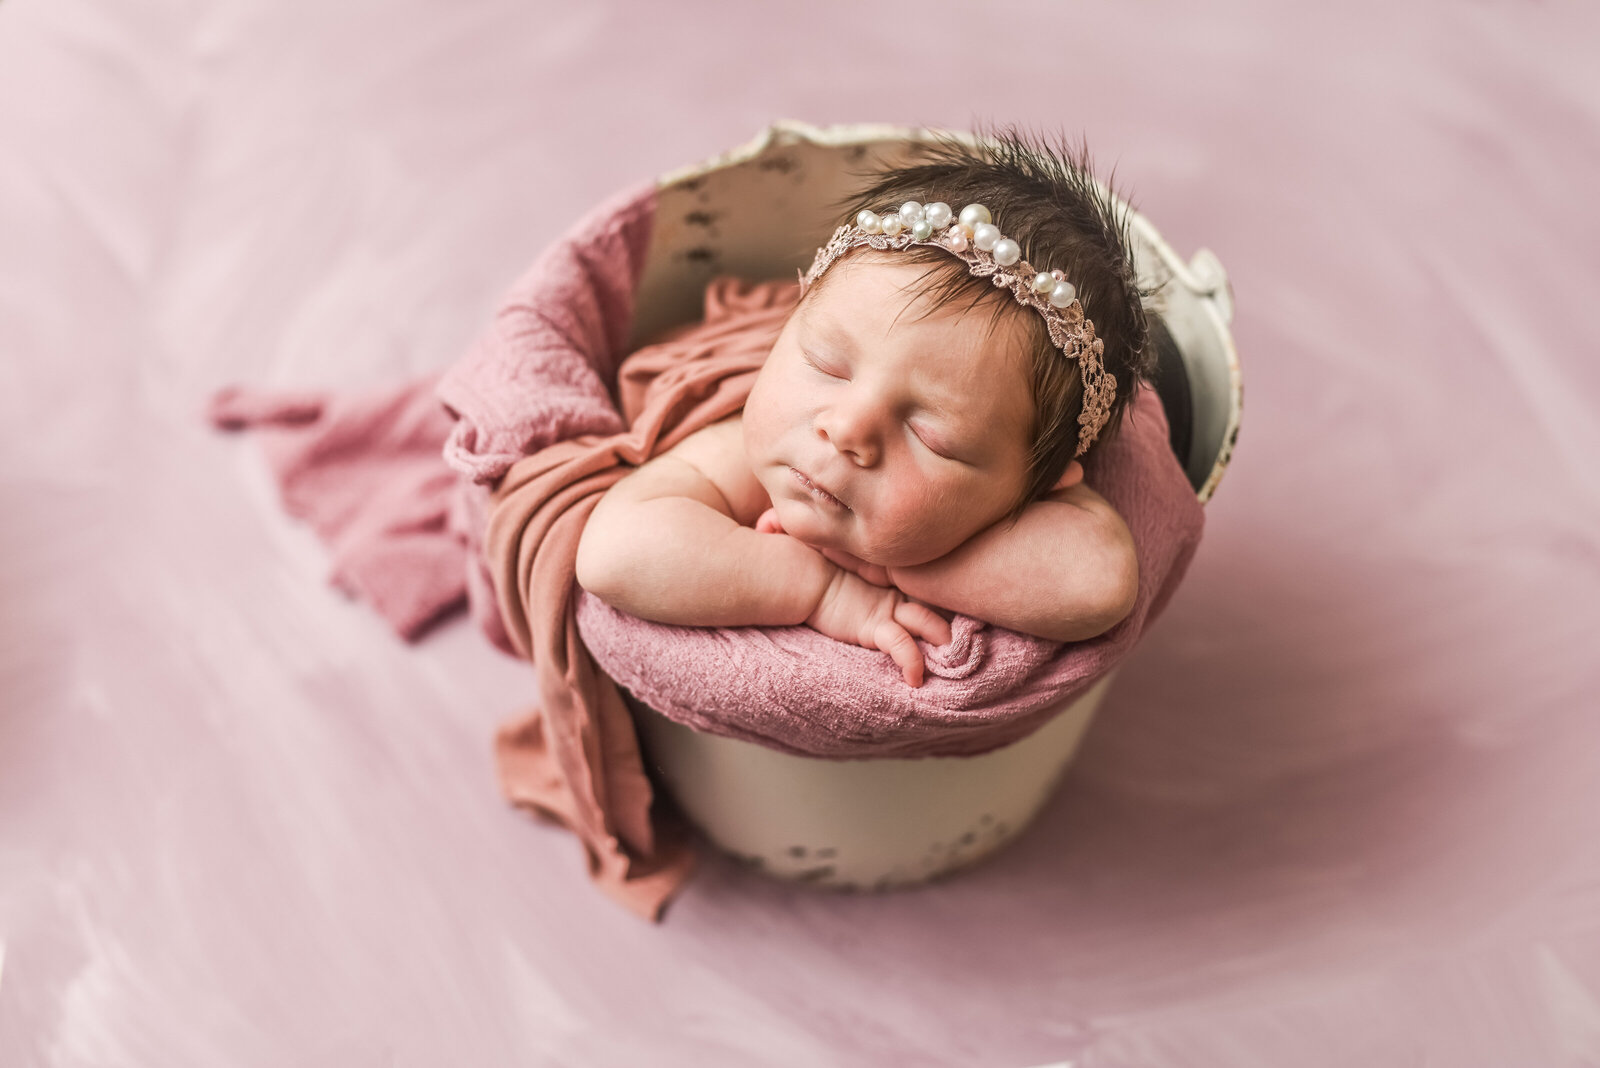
(717, 453)
(715, 448)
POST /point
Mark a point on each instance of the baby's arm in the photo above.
(665, 544)
(1066, 570)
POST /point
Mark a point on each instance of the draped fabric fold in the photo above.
(575, 758)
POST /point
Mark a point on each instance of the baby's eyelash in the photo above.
(817, 365)
(931, 447)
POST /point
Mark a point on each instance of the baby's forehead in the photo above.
(872, 294)
(956, 357)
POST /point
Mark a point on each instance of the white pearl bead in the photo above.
(922, 229)
(1043, 282)
(910, 212)
(1007, 252)
(986, 236)
(973, 214)
(938, 213)
(892, 225)
(868, 222)
(1063, 294)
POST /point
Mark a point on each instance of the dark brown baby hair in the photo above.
(1042, 195)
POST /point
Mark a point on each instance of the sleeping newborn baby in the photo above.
(914, 441)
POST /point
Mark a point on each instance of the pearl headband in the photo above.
(974, 239)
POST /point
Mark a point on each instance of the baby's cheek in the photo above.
(913, 530)
(938, 517)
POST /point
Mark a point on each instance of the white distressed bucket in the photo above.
(760, 211)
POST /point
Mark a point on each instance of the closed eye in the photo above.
(933, 443)
(822, 366)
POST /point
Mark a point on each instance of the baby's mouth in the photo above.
(817, 491)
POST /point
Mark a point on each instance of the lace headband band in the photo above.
(989, 254)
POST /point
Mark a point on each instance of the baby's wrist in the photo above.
(824, 578)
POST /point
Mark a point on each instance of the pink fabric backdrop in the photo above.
(1340, 808)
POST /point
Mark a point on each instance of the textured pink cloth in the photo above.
(542, 372)
(576, 757)
(364, 472)
(534, 396)
(406, 530)
(793, 689)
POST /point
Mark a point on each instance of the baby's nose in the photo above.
(854, 434)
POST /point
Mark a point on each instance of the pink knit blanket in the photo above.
(407, 534)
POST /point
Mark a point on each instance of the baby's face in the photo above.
(895, 441)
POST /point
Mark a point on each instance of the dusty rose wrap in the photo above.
(576, 757)
(529, 412)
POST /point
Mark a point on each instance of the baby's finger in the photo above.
(768, 523)
(893, 639)
(923, 622)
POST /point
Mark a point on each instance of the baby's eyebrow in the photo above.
(947, 404)
(947, 413)
(828, 329)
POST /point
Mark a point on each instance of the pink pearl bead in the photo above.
(956, 240)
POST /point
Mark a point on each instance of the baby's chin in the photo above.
(807, 527)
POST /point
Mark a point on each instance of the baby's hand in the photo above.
(856, 611)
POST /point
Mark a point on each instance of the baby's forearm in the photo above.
(676, 560)
(1060, 572)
